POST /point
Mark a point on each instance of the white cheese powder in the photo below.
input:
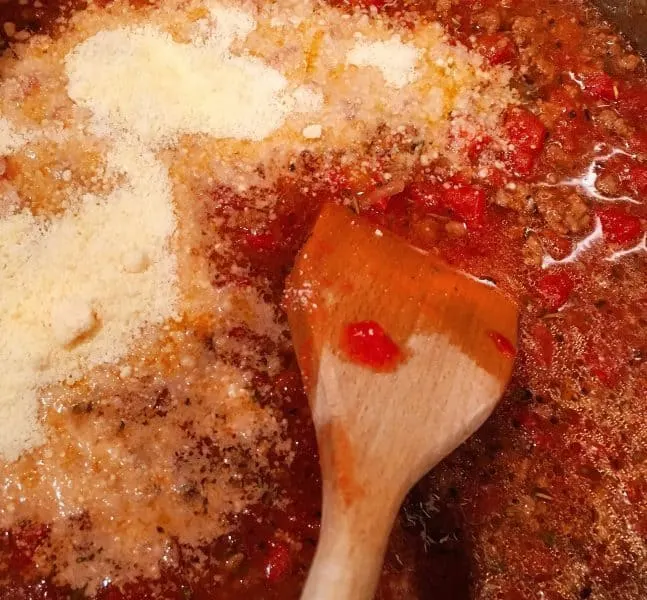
(394, 59)
(67, 302)
(10, 139)
(167, 89)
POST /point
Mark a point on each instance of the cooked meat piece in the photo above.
(532, 250)
(524, 30)
(489, 20)
(613, 123)
(608, 184)
(516, 197)
(568, 214)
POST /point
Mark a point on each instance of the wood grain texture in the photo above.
(379, 432)
(398, 285)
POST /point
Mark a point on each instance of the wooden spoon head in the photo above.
(455, 338)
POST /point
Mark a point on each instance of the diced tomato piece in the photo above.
(464, 201)
(570, 125)
(543, 341)
(563, 102)
(603, 365)
(554, 289)
(502, 343)
(527, 133)
(618, 226)
(633, 101)
(467, 202)
(601, 87)
(498, 48)
(525, 130)
(637, 179)
(426, 196)
(521, 162)
(278, 562)
(367, 343)
(557, 246)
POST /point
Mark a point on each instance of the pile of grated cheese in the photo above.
(10, 139)
(395, 61)
(168, 89)
(79, 288)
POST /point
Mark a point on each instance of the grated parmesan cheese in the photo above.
(395, 60)
(62, 277)
(168, 88)
(71, 319)
(312, 132)
(10, 139)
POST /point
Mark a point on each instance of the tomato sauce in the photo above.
(548, 500)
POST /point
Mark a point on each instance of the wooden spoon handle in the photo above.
(348, 561)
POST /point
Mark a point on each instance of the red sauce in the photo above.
(366, 343)
(601, 86)
(278, 562)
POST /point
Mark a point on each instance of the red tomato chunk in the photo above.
(502, 343)
(498, 48)
(464, 201)
(618, 226)
(367, 343)
(554, 289)
(527, 134)
(467, 202)
(601, 87)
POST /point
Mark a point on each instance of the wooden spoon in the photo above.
(386, 408)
